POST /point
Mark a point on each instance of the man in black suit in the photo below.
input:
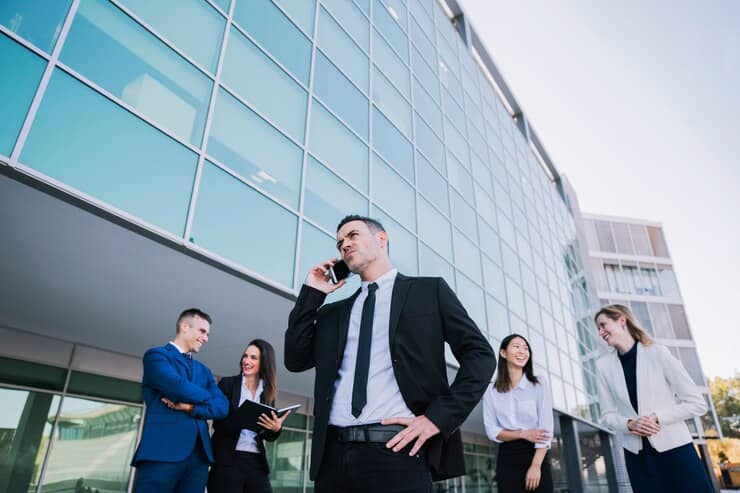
(385, 417)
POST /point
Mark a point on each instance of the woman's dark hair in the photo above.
(268, 370)
(503, 381)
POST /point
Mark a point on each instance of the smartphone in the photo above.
(338, 272)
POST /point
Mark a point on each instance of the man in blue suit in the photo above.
(180, 395)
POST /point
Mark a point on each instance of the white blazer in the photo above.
(663, 387)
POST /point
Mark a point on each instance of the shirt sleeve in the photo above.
(490, 422)
(545, 418)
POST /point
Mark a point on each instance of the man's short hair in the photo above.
(372, 224)
(193, 312)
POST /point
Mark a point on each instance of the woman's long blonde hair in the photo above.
(615, 311)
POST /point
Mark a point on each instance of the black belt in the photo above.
(374, 433)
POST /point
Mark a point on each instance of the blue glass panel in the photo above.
(425, 75)
(341, 95)
(335, 145)
(390, 29)
(391, 66)
(364, 5)
(389, 142)
(489, 241)
(402, 244)
(507, 230)
(422, 15)
(429, 144)
(224, 4)
(515, 297)
(397, 11)
(225, 223)
(485, 206)
(498, 319)
(250, 146)
(423, 43)
(316, 247)
(301, 11)
(431, 264)
(427, 108)
(352, 20)
(457, 144)
(432, 184)
(467, 256)
(459, 178)
(426, 7)
(390, 101)
(393, 194)
(454, 112)
(511, 261)
(38, 21)
(328, 198)
(109, 48)
(22, 72)
(444, 25)
(481, 174)
(477, 143)
(340, 48)
(472, 298)
(450, 82)
(277, 34)
(264, 85)
(434, 229)
(493, 279)
(198, 31)
(463, 215)
(138, 170)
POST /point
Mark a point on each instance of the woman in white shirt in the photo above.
(517, 413)
(240, 460)
(646, 395)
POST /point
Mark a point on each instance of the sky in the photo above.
(638, 104)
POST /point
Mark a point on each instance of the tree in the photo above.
(726, 397)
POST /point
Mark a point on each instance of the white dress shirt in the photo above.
(384, 398)
(524, 407)
(248, 438)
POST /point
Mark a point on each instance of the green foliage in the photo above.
(726, 397)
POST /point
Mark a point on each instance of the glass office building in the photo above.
(159, 155)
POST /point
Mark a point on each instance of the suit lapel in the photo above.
(180, 360)
(617, 374)
(398, 300)
(343, 315)
(236, 391)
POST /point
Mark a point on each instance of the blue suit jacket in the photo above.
(169, 436)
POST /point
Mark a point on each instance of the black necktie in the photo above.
(362, 365)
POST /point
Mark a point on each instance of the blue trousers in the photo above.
(188, 476)
(677, 470)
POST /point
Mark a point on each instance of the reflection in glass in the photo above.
(21, 71)
(389, 100)
(340, 48)
(92, 447)
(389, 27)
(25, 427)
(197, 32)
(225, 223)
(391, 66)
(328, 199)
(393, 146)
(249, 145)
(38, 21)
(263, 84)
(339, 94)
(286, 458)
(593, 462)
(138, 170)
(109, 48)
(557, 456)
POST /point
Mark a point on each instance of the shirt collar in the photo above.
(178, 348)
(524, 383)
(260, 387)
(383, 281)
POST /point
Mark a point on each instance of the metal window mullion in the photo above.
(207, 129)
(413, 144)
(43, 84)
(304, 163)
(24, 42)
(370, 149)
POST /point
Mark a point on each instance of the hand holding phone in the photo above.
(319, 277)
(338, 272)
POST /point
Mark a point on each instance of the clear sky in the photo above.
(638, 104)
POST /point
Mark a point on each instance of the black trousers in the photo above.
(677, 470)
(512, 462)
(246, 474)
(367, 467)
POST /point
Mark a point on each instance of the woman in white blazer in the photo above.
(646, 395)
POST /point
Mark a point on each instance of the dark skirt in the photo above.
(512, 462)
(678, 470)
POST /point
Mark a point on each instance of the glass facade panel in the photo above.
(467, 256)
(690, 360)
(604, 235)
(263, 84)
(463, 216)
(391, 30)
(328, 198)
(640, 311)
(138, 170)
(393, 194)
(197, 32)
(489, 241)
(427, 109)
(425, 75)
(640, 239)
(391, 66)
(432, 184)
(254, 149)
(498, 320)
(109, 48)
(300, 11)
(679, 322)
(390, 101)
(393, 146)
(338, 46)
(339, 94)
(402, 245)
(225, 224)
(434, 229)
(269, 26)
(38, 21)
(92, 447)
(471, 297)
(493, 279)
(22, 72)
(622, 238)
(460, 179)
(316, 247)
(657, 241)
(431, 264)
(429, 144)
(668, 282)
(286, 457)
(660, 321)
(25, 431)
(352, 20)
(336, 146)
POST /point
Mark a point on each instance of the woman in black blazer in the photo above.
(240, 460)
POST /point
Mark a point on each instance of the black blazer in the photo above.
(226, 431)
(425, 314)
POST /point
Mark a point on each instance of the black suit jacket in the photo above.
(226, 431)
(425, 314)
